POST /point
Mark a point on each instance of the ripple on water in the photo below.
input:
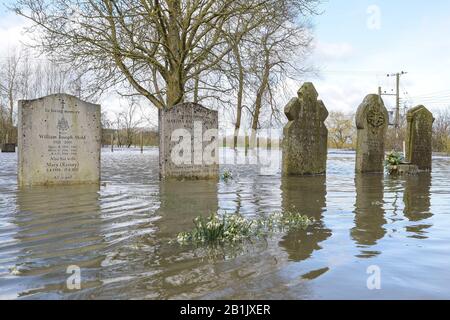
(118, 234)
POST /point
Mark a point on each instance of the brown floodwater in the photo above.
(119, 234)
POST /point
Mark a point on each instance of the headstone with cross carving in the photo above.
(372, 121)
(419, 137)
(59, 141)
(305, 136)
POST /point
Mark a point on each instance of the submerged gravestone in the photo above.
(189, 142)
(305, 136)
(419, 137)
(59, 141)
(372, 122)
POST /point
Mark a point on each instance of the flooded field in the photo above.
(119, 235)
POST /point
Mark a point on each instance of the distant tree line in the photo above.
(119, 138)
(129, 128)
(23, 77)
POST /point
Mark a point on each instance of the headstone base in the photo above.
(8, 148)
(403, 170)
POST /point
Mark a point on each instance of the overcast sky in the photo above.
(357, 43)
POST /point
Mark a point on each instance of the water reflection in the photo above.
(119, 235)
(56, 227)
(181, 202)
(306, 195)
(369, 213)
(417, 204)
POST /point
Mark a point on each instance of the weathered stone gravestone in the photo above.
(59, 141)
(189, 142)
(305, 136)
(372, 123)
(418, 137)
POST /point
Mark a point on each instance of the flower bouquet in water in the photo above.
(393, 160)
(396, 165)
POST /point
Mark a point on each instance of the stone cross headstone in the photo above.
(305, 136)
(189, 142)
(59, 141)
(418, 137)
(372, 122)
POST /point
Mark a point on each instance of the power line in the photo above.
(432, 94)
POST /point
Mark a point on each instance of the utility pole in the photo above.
(397, 101)
(397, 95)
(397, 104)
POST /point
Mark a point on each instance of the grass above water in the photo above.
(234, 228)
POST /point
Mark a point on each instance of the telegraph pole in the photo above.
(397, 104)
(397, 95)
(397, 101)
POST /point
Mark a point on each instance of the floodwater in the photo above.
(118, 235)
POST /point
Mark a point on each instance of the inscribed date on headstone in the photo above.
(59, 141)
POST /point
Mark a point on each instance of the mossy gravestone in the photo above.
(59, 141)
(418, 137)
(305, 136)
(189, 142)
(372, 123)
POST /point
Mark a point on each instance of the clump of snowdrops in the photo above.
(234, 228)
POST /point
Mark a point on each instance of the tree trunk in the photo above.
(239, 97)
(196, 85)
(11, 109)
(175, 90)
(175, 77)
(10, 127)
(258, 101)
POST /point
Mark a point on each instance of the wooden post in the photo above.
(112, 142)
(246, 144)
(142, 143)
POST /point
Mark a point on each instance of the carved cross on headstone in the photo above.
(371, 122)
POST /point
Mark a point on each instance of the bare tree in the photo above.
(130, 122)
(4, 127)
(441, 131)
(279, 44)
(10, 82)
(24, 77)
(157, 46)
(341, 129)
(260, 60)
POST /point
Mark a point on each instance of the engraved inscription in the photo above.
(60, 141)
